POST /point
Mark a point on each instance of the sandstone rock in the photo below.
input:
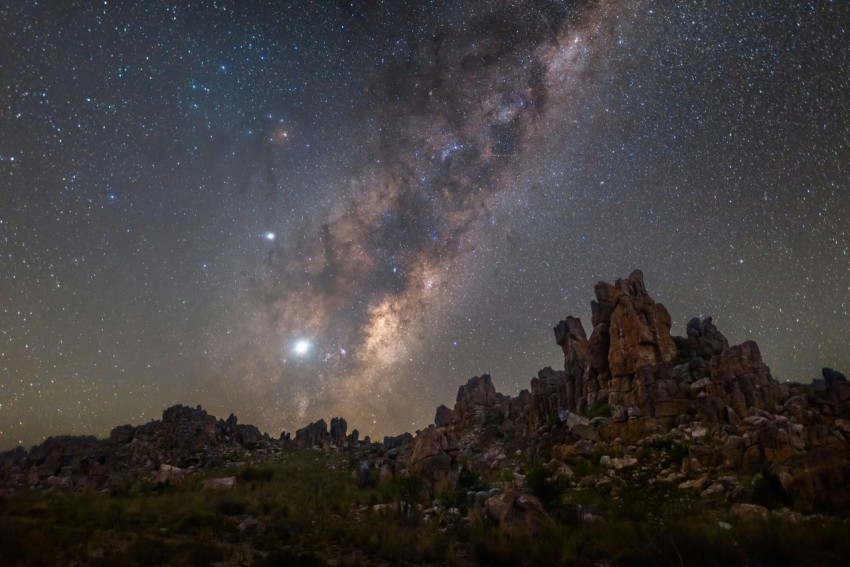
(314, 434)
(787, 516)
(171, 475)
(223, 484)
(713, 492)
(704, 340)
(742, 380)
(445, 416)
(744, 511)
(733, 452)
(697, 484)
(434, 456)
(122, 434)
(339, 428)
(640, 328)
(587, 432)
(517, 513)
(478, 391)
(817, 479)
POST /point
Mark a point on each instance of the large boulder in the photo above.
(517, 513)
(314, 434)
(434, 457)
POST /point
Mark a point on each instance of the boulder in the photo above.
(224, 484)
(445, 416)
(314, 434)
(122, 434)
(517, 513)
(743, 511)
(171, 475)
(434, 456)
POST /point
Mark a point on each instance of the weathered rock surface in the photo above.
(517, 512)
(314, 434)
(434, 456)
(339, 427)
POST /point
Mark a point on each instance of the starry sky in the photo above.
(295, 210)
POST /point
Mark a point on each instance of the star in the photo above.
(301, 347)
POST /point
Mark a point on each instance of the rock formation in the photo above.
(339, 427)
(632, 382)
(314, 434)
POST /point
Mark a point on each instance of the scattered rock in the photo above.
(224, 484)
(743, 511)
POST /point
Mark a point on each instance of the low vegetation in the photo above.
(307, 510)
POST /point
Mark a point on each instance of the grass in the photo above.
(309, 514)
(600, 408)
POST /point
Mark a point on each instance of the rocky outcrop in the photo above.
(185, 439)
(445, 416)
(339, 427)
(312, 435)
(639, 328)
(704, 340)
(740, 379)
(478, 392)
(718, 404)
(434, 457)
(832, 392)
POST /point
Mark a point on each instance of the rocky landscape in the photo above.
(683, 449)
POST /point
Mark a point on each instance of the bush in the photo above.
(255, 474)
(539, 481)
(767, 490)
(230, 506)
(600, 408)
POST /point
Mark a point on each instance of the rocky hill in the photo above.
(636, 414)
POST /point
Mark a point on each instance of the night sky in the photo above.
(295, 210)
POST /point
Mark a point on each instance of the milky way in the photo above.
(349, 209)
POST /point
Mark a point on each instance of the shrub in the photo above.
(600, 408)
(539, 481)
(767, 490)
(255, 474)
(230, 506)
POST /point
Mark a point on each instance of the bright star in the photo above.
(301, 347)
(270, 236)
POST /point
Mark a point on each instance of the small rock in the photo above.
(743, 511)
(695, 484)
(224, 484)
